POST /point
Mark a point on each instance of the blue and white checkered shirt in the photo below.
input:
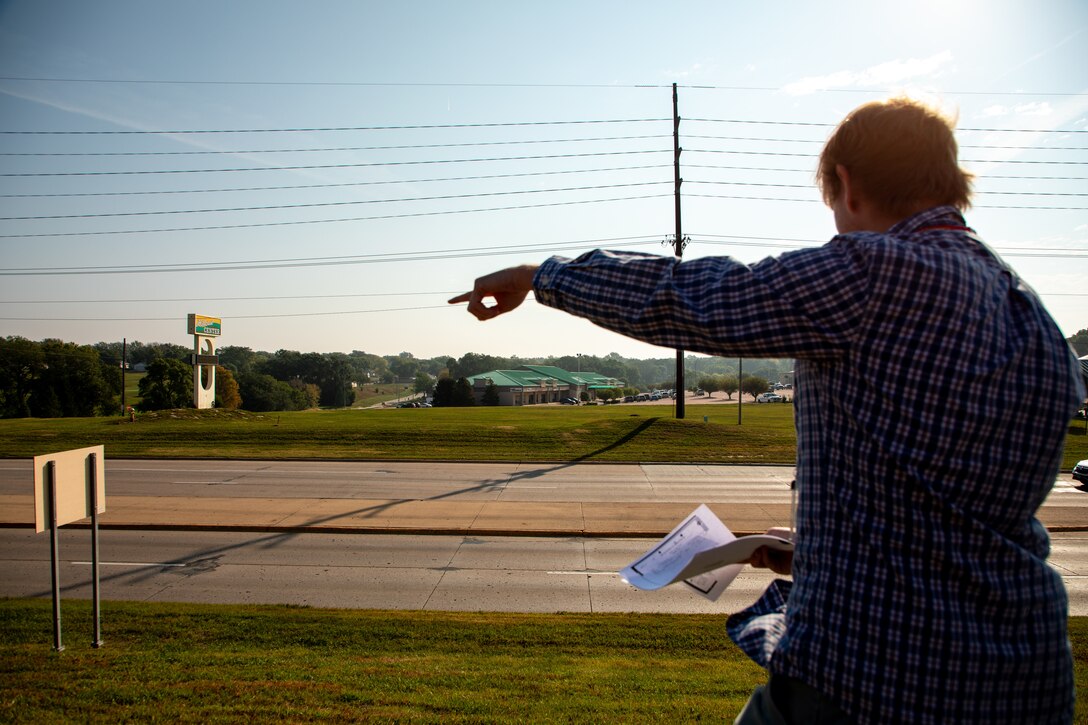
(933, 394)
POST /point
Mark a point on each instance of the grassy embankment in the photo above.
(614, 433)
(538, 433)
(203, 663)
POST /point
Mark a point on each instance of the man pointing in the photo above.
(921, 592)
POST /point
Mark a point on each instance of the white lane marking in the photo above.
(584, 572)
(125, 563)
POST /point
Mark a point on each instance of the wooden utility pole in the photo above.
(679, 240)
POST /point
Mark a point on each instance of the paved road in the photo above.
(437, 572)
(466, 568)
(432, 481)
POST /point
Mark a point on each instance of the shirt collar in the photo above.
(936, 216)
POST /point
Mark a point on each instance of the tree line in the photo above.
(53, 378)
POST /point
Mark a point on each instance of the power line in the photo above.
(812, 171)
(293, 187)
(976, 206)
(265, 298)
(821, 141)
(814, 124)
(334, 203)
(800, 155)
(335, 148)
(233, 317)
(336, 166)
(331, 221)
(467, 252)
(810, 187)
(378, 84)
(317, 129)
(510, 124)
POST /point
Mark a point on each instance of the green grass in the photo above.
(368, 395)
(539, 433)
(616, 433)
(132, 388)
(215, 663)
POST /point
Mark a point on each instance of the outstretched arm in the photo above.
(508, 287)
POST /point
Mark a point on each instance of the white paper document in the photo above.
(701, 552)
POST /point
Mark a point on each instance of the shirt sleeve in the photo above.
(805, 304)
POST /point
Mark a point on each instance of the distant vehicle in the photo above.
(628, 398)
(769, 398)
(569, 401)
(1080, 471)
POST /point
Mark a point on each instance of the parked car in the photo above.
(1080, 471)
(569, 401)
(769, 398)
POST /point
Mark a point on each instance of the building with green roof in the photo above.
(537, 384)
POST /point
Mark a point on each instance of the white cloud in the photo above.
(695, 69)
(1034, 109)
(892, 72)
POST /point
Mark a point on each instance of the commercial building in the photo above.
(536, 384)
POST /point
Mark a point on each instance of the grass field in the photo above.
(211, 663)
(537, 433)
(616, 433)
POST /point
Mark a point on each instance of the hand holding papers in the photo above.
(702, 552)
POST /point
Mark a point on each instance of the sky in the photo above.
(324, 176)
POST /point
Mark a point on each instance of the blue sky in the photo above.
(358, 163)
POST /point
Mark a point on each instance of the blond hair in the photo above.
(901, 155)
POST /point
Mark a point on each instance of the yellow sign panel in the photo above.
(203, 325)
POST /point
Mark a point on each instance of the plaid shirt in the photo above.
(933, 393)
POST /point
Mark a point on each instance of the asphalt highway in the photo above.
(417, 536)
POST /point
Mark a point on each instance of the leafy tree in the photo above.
(139, 352)
(263, 393)
(167, 385)
(472, 363)
(1079, 342)
(462, 393)
(368, 367)
(754, 385)
(226, 389)
(333, 374)
(305, 395)
(404, 366)
(491, 395)
(443, 392)
(21, 363)
(423, 383)
(728, 384)
(709, 383)
(53, 378)
(72, 383)
(240, 359)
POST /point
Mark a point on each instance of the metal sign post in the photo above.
(92, 485)
(70, 486)
(54, 551)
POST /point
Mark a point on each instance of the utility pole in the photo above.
(124, 356)
(740, 393)
(679, 240)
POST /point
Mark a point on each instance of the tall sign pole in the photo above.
(679, 241)
(205, 331)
